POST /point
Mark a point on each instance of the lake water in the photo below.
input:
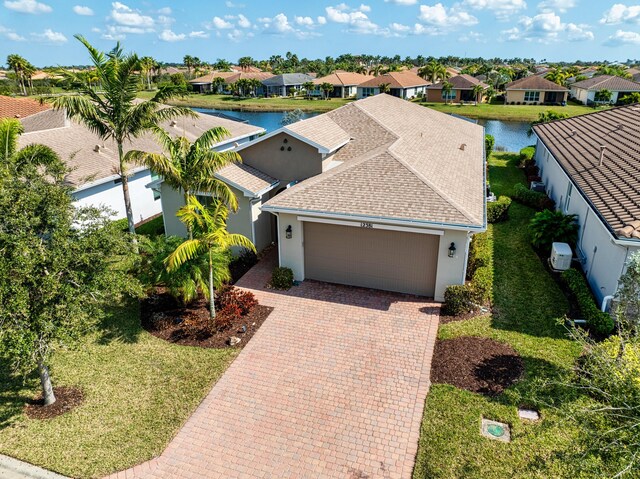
(509, 135)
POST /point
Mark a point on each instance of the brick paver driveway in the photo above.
(331, 386)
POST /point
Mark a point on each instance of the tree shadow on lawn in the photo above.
(120, 323)
(14, 392)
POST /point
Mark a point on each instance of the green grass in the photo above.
(527, 307)
(152, 228)
(138, 391)
(527, 113)
(229, 102)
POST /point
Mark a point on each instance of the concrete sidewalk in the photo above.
(11, 468)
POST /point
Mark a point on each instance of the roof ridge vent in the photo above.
(602, 150)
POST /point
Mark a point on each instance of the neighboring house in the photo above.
(285, 84)
(404, 84)
(204, 84)
(461, 91)
(535, 90)
(380, 193)
(590, 166)
(94, 163)
(585, 91)
(20, 107)
(345, 84)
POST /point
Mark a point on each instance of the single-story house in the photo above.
(205, 83)
(345, 84)
(94, 163)
(585, 91)
(590, 166)
(404, 84)
(535, 90)
(285, 84)
(461, 91)
(380, 193)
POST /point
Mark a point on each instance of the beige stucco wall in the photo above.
(291, 251)
(435, 96)
(298, 164)
(172, 201)
(518, 96)
(262, 221)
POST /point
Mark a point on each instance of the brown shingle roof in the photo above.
(405, 161)
(608, 82)
(75, 144)
(613, 188)
(246, 178)
(535, 82)
(405, 79)
(341, 78)
(320, 131)
(459, 82)
(20, 107)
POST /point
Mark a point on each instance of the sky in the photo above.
(556, 30)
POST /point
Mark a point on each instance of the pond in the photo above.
(509, 135)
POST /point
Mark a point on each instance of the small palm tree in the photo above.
(217, 84)
(384, 87)
(327, 88)
(603, 96)
(478, 91)
(116, 113)
(447, 88)
(308, 86)
(212, 238)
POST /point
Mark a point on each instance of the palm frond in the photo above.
(36, 156)
(211, 137)
(183, 253)
(10, 130)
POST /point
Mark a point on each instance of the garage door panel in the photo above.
(371, 258)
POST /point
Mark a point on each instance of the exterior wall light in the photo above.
(452, 250)
(289, 232)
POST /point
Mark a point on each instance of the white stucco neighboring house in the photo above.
(585, 91)
(380, 193)
(590, 166)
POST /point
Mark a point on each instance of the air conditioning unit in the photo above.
(537, 186)
(561, 255)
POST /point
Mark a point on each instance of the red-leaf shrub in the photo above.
(235, 302)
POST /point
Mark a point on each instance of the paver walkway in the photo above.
(331, 386)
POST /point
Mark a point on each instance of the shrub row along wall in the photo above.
(498, 211)
(533, 199)
(599, 321)
(461, 299)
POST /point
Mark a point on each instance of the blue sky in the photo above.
(42, 30)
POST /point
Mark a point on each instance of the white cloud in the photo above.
(82, 10)
(439, 16)
(402, 2)
(473, 37)
(221, 24)
(502, 8)
(27, 6)
(165, 11)
(50, 36)
(399, 28)
(546, 28)
(304, 21)
(124, 15)
(11, 35)
(619, 13)
(199, 34)
(356, 19)
(243, 21)
(623, 38)
(556, 5)
(238, 35)
(321, 20)
(280, 25)
(234, 5)
(170, 36)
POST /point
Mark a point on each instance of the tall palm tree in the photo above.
(212, 238)
(478, 90)
(18, 64)
(447, 88)
(116, 113)
(146, 66)
(188, 62)
(384, 87)
(216, 84)
(308, 86)
(246, 62)
(557, 75)
(326, 88)
(191, 167)
(432, 71)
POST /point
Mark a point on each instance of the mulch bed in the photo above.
(162, 316)
(67, 398)
(477, 364)
(463, 317)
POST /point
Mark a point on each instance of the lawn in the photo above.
(138, 391)
(229, 102)
(527, 113)
(527, 306)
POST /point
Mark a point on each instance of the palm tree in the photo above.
(18, 65)
(447, 88)
(557, 75)
(478, 90)
(188, 61)
(326, 88)
(308, 86)
(376, 70)
(146, 66)
(384, 87)
(216, 84)
(246, 62)
(603, 96)
(212, 238)
(116, 113)
(361, 69)
(191, 167)
(433, 71)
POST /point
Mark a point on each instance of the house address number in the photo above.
(366, 225)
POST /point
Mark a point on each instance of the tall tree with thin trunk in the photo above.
(18, 65)
(210, 237)
(55, 278)
(116, 113)
(478, 92)
(447, 88)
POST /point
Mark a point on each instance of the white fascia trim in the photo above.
(107, 179)
(364, 218)
(375, 226)
(284, 129)
(155, 183)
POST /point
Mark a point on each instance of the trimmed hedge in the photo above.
(282, 278)
(458, 299)
(479, 253)
(534, 199)
(498, 211)
(527, 153)
(599, 321)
